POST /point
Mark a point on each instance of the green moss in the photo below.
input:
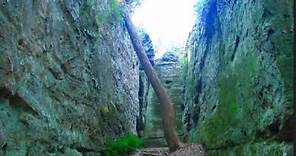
(287, 71)
(123, 145)
(282, 41)
(221, 127)
(101, 17)
(258, 148)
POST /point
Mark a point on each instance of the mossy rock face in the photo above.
(68, 79)
(72, 152)
(238, 88)
(259, 148)
(228, 122)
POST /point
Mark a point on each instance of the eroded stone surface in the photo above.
(239, 77)
(72, 76)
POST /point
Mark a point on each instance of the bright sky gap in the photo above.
(168, 22)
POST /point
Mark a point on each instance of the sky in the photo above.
(168, 22)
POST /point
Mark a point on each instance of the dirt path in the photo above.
(188, 150)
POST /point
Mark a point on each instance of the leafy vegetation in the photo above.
(123, 145)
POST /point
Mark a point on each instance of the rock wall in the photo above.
(238, 96)
(144, 85)
(69, 78)
(169, 71)
(148, 46)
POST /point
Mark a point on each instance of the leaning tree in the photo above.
(168, 112)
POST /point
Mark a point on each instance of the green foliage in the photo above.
(123, 145)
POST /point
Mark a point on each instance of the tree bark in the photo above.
(168, 112)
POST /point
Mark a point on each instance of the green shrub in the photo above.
(123, 145)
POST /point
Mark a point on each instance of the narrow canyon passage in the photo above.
(71, 83)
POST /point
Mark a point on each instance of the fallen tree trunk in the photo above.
(168, 112)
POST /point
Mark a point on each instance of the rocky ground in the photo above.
(188, 150)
